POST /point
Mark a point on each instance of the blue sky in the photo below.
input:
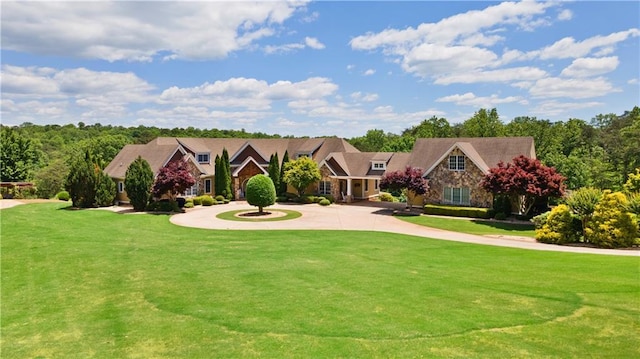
(315, 68)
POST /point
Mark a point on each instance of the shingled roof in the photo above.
(485, 152)
(157, 153)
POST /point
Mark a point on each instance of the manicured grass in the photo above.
(78, 284)
(231, 215)
(473, 226)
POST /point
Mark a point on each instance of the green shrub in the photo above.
(188, 205)
(282, 199)
(197, 201)
(386, 197)
(307, 199)
(329, 198)
(208, 201)
(261, 192)
(633, 203)
(318, 199)
(583, 202)
(561, 226)
(324, 202)
(611, 225)
(291, 195)
(500, 216)
(220, 198)
(453, 211)
(163, 206)
(63, 196)
(226, 201)
(502, 204)
(540, 219)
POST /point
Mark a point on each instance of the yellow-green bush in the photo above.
(611, 225)
(560, 226)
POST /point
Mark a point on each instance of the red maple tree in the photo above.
(411, 179)
(173, 179)
(524, 180)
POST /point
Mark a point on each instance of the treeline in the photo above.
(599, 153)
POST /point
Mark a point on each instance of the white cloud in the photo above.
(569, 48)
(248, 93)
(553, 87)
(139, 31)
(370, 97)
(369, 72)
(470, 99)
(313, 43)
(350, 67)
(633, 81)
(590, 66)
(565, 14)
(555, 108)
(308, 42)
(515, 74)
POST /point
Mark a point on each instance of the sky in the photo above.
(315, 68)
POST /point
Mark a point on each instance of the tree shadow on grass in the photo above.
(505, 226)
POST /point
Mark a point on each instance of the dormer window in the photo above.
(378, 166)
(303, 154)
(456, 163)
(203, 158)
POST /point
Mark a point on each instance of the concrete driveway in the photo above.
(361, 218)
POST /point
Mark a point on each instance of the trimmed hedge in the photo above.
(453, 211)
(63, 196)
(324, 202)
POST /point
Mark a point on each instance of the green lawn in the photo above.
(80, 284)
(473, 226)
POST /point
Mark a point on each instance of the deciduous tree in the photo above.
(19, 156)
(411, 180)
(173, 179)
(301, 173)
(524, 180)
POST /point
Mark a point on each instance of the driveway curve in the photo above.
(360, 218)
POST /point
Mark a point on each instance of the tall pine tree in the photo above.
(274, 170)
(283, 185)
(218, 179)
(226, 184)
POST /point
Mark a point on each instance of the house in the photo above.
(454, 167)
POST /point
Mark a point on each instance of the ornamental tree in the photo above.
(173, 179)
(260, 192)
(524, 180)
(301, 173)
(410, 180)
(138, 182)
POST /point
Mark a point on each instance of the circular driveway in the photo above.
(361, 218)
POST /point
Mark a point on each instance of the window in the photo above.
(299, 155)
(191, 192)
(324, 187)
(456, 195)
(378, 165)
(376, 184)
(120, 186)
(203, 158)
(366, 185)
(456, 163)
(207, 186)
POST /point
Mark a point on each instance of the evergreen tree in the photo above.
(105, 190)
(19, 156)
(226, 184)
(138, 182)
(283, 184)
(218, 179)
(274, 170)
(82, 181)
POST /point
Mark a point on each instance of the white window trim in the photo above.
(461, 195)
(208, 180)
(378, 165)
(322, 187)
(457, 163)
(203, 154)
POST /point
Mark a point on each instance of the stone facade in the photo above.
(325, 175)
(471, 177)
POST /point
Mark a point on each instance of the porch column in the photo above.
(348, 190)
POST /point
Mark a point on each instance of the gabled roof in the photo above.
(157, 152)
(358, 164)
(485, 152)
